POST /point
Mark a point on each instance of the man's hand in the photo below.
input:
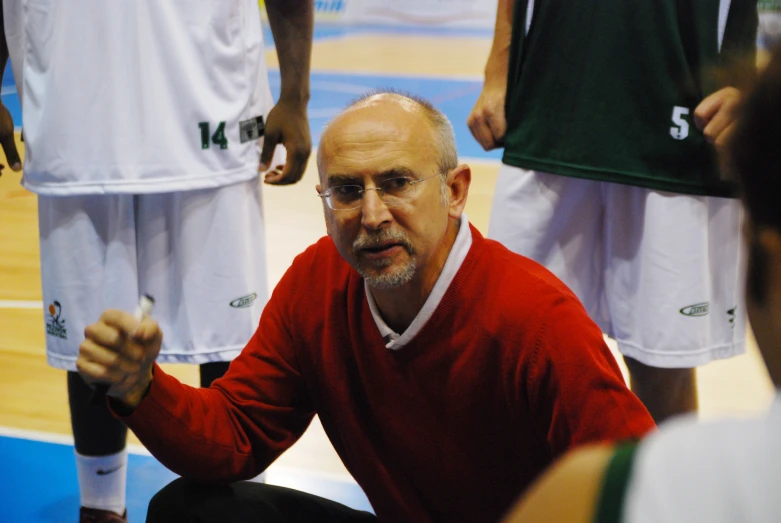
(715, 115)
(119, 351)
(487, 120)
(287, 124)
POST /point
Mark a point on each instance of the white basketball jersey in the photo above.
(142, 96)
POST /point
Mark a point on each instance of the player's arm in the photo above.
(292, 23)
(487, 120)
(569, 491)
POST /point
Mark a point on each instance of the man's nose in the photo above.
(374, 212)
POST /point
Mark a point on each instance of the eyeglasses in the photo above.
(393, 192)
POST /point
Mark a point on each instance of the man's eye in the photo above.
(395, 184)
(346, 190)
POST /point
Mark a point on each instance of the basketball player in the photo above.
(608, 115)
(719, 472)
(142, 122)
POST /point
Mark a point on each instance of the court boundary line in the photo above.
(140, 450)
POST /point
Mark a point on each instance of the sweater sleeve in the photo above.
(240, 425)
(576, 392)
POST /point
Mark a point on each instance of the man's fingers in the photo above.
(723, 138)
(498, 126)
(147, 334)
(104, 334)
(125, 361)
(292, 171)
(485, 127)
(122, 321)
(270, 141)
(716, 126)
(483, 135)
(723, 99)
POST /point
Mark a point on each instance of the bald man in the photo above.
(447, 371)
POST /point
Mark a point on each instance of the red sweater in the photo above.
(507, 374)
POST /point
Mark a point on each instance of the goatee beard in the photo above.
(397, 278)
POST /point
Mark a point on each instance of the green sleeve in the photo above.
(610, 505)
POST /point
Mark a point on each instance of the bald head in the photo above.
(405, 111)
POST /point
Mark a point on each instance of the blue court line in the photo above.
(332, 91)
(329, 30)
(38, 483)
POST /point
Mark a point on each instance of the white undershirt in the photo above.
(456, 257)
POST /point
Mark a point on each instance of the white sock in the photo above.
(102, 481)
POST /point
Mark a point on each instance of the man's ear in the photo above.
(326, 214)
(458, 181)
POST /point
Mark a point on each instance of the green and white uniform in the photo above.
(141, 122)
(607, 181)
(721, 472)
(769, 24)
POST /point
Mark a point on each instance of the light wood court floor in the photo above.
(33, 396)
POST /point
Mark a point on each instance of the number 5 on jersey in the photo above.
(218, 138)
(680, 130)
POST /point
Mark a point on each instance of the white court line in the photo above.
(20, 304)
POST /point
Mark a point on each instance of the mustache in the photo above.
(382, 237)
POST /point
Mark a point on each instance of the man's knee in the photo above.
(188, 501)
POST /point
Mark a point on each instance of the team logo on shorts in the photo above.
(55, 324)
(244, 301)
(698, 309)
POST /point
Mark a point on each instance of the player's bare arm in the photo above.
(292, 23)
(120, 351)
(715, 115)
(487, 120)
(568, 491)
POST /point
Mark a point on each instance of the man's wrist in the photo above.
(125, 405)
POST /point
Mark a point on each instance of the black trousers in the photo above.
(184, 501)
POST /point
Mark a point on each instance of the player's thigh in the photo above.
(674, 282)
(88, 264)
(556, 221)
(202, 255)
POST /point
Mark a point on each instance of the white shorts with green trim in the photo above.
(661, 273)
(201, 254)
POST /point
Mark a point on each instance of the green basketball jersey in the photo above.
(769, 5)
(606, 89)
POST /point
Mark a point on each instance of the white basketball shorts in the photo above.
(200, 254)
(661, 273)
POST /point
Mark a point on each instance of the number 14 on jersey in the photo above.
(218, 138)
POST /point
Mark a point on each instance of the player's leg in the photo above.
(665, 392)
(556, 221)
(242, 502)
(211, 371)
(674, 289)
(87, 265)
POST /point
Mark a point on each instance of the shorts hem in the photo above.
(68, 363)
(680, 360)
(224, 354)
